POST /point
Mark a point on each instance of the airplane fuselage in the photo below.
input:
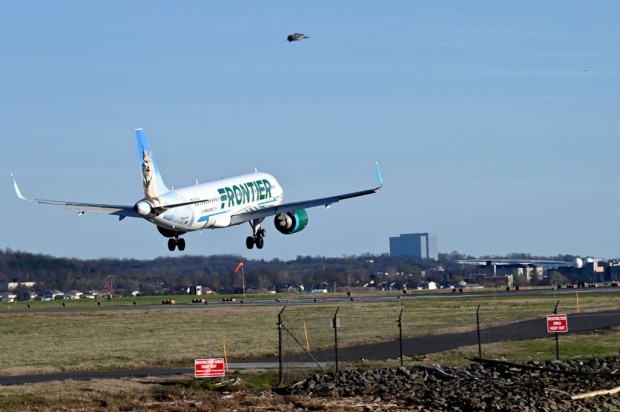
(214, 203)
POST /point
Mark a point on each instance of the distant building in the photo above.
(195, 290)
(8, 297)
(421, 245)
(73, 295)
(15, 285)
(52, 295)
(526, 271)
(591, 270)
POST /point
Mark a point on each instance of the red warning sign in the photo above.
(557, 323)
(209, 368)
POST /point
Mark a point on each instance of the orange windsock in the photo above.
(239, 266)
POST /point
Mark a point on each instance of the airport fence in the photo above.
(315, 339)
(340, 337)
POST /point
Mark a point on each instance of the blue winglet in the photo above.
(379, 179)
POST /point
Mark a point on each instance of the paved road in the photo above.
(525, 330)
(530, 329)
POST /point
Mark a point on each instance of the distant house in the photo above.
(8, 297)
(95, 294)
(52, 294)
(90, 295)
(15, 285)
(73, 295)
(199, 290)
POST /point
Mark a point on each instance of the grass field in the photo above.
(85, 336)
(119, 334)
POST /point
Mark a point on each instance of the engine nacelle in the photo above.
(290, 222)
(143, 208)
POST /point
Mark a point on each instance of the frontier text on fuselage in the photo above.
(243, 193)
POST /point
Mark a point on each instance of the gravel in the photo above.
(484, 385)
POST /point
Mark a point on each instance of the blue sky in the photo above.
(495, 123)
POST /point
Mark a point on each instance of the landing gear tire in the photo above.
(258, 233)
(172, 244)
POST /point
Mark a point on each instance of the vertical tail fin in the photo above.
(151, 178)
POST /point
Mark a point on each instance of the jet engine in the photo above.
(291, 222)
(142, 208)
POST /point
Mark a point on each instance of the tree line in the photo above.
(171, 275)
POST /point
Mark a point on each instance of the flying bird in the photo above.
(296, 37)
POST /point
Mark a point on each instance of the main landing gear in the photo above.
(176, 242)
(258, 233)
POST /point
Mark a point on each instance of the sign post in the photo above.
(209, 368)
(557, 323)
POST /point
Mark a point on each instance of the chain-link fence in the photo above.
(311, 339)
(338, 336)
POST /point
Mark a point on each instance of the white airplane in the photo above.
(213, 205)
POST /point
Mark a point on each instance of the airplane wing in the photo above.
(294, 206)
(121, 211)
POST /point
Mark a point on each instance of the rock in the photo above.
(488, 385)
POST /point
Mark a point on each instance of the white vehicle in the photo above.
(213, 205)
